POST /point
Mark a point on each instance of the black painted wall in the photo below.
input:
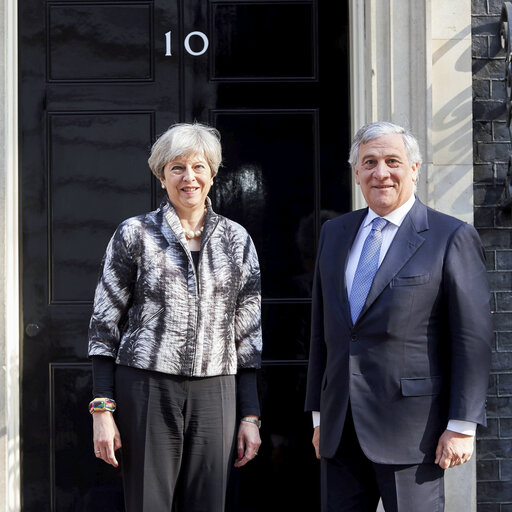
(491, 142)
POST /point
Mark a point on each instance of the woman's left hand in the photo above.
(248, 443)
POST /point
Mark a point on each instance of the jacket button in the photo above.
(353, 337)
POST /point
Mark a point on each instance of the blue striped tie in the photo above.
(366, 268)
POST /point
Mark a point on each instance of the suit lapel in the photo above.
(405, 244)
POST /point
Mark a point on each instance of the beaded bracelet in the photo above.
(102, 404)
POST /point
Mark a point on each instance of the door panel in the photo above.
(84, 186)
(268, 183)
(284, 475)
(78, 482)
(83, 38)
(256, 41)
(99, 80)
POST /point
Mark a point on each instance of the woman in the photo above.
(176, 317)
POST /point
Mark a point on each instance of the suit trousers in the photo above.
(353, 483)
(177, 437)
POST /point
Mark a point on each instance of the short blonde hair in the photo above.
(183, 139)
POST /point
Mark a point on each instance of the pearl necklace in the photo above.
(195, 234)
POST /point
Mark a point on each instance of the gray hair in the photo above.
(374, 130)
(184, 139)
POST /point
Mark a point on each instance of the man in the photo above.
(401, 334)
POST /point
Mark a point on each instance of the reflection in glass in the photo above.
(268, 183)
(245, 188)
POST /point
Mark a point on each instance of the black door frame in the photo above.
(269, 363)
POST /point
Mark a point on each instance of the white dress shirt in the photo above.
(395, 219)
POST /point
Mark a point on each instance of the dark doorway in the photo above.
(99, 80)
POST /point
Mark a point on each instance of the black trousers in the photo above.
(178, 436)
(353, 483)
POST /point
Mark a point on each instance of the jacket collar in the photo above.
(173, 222)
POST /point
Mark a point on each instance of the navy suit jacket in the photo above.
(419, 353)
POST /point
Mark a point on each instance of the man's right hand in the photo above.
(316, 441)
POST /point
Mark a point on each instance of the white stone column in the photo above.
(411, 64)
(9, 283)
(450, 177)
(391, 71)
(450, 182)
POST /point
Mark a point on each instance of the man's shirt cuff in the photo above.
(467, 428)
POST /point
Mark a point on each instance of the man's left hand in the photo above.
(454, 449)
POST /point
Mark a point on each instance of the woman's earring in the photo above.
(163, 186)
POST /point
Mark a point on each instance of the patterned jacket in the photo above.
(153, 311)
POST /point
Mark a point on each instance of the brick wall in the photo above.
(491, 141)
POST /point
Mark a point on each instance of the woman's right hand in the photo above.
(106, 437)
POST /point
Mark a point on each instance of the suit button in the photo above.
(353, 337)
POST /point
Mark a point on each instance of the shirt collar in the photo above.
(395, 217)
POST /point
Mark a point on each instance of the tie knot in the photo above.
(378, 223)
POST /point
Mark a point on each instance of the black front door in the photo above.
(99, 80)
